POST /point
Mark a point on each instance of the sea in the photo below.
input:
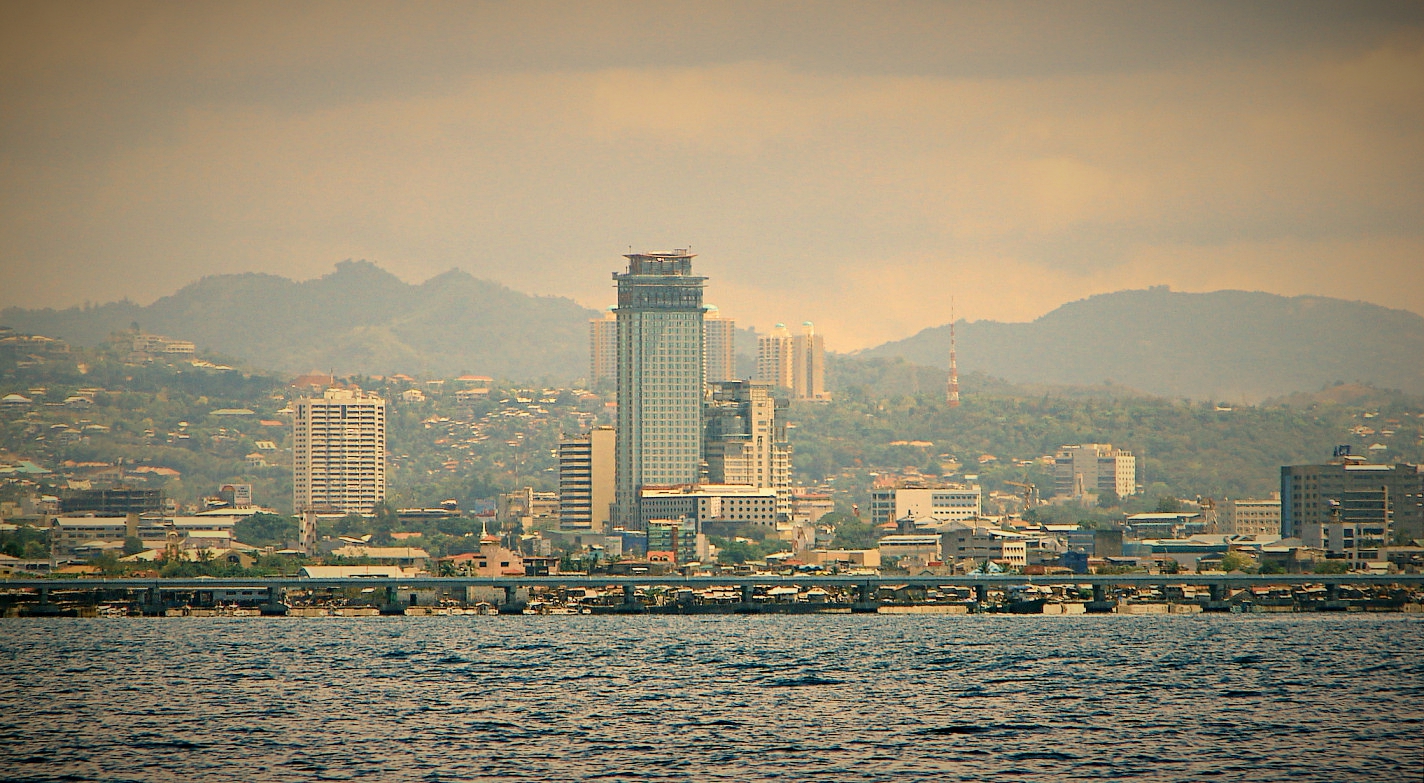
(1295, 698)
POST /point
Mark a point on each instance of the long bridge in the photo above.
(864, 587)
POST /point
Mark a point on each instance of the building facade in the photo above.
(733, 504)
(808, 370)
(660, 377)
(776, 358)
(926, 505)
(797, 364)
(603, 350)
(586, 480)
(1093, 469)
(1249, 517)
(745, 439)
(339, 452)
(720, 346)
(1308, 491)
(1357, 529)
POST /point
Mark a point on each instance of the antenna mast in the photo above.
(952, 398)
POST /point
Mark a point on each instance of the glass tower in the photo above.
(660, 377)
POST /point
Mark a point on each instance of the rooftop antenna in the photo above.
(952, 397)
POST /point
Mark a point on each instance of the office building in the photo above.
(603, 350)
(1249, 517)
(927, 505)
(1093, 469)
(729, 504)
(745, 439)
(720, 343)
(1308, 491)
(586, 480)
(339, 452)
(660, 381)
(1357, 528)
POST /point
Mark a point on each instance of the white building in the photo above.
(721, 346)
(1093, 469)
(339, 452)
(925, 504)
(745, 440)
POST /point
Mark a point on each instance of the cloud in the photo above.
(855, 171)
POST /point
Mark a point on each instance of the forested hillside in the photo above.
(1238, 346)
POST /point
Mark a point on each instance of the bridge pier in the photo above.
(1100, 604)
(864, 601)
(512, 604)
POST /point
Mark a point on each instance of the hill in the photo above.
(1225, 345)
(359, 319)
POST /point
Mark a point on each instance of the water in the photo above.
(734, 698)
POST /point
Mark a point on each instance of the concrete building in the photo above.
(1307, 492)
(660, 381)
(808, 368)
(603, 350)
(1093, 469)
(339, 452)
(925, 504)
(974, 544)
(1249, 517)
(745, 439)
(797, 364)
(776, 358)
(731, 504)
(1358, 528)
(720, 341)
(586, 480)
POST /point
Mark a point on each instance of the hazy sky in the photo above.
(855, 164)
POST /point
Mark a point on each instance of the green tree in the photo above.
(1237, 561)
(1331, 567)
(265, 530)
(133, 545)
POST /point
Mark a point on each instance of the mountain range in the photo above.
(1238, 346)
(360, 319)
(1234, 346)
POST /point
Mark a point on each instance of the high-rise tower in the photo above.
(603, 349)
(339, 452)
(808, 371)
(660, 376)
(721, 346)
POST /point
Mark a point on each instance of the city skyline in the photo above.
(1011, 156)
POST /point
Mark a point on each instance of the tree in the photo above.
(1108, 499)
(133, 545)
(265, 530)
(1237, 561)
(1167, 504)
(1331, 567)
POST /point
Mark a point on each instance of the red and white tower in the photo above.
(952, 397)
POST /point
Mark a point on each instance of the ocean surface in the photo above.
(734, 698)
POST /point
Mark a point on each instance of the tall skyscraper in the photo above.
(339, 452)
(721, 346)
(808, 365)
(603, 349)
(660, 376)
(586, 480)
(746, 440)
(775, 358)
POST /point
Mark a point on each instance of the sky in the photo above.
(859, 165)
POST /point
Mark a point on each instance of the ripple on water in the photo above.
(713, 698)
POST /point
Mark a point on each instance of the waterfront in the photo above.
(1298, 697)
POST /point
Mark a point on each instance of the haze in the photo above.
(852, 164)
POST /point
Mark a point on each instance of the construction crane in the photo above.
(1030, 493)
